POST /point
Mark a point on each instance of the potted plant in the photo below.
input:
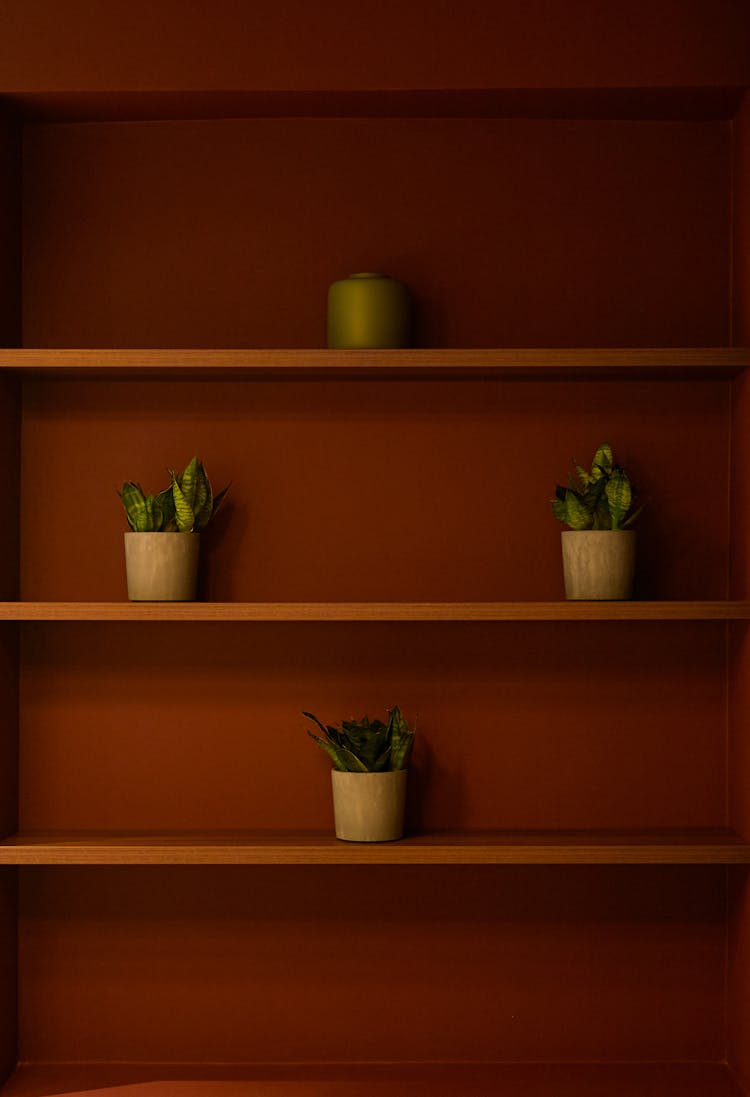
(599, 548)
(161, 547)
(370, 761)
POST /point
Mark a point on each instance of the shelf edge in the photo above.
(376, 611)
(559, 849)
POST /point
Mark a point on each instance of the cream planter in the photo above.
(598, 564)
(162, 567)
(369, 807)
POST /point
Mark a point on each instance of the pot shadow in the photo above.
(430, 786)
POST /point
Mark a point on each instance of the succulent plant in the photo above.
(366, 746)
(599, 499)
(186, 506)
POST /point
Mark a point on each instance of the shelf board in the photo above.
(375, 611)
(374, 1080)
(522, 362)
(580, 847)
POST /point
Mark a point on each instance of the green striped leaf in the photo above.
(602, 516)
(138, 508)
(603, 462)
(218, 499)
(576, 514)
(188, 481)
(184, 516)
(585, 477)
(383, 763)
(619, 496)
(342, 758)
(165, 500)
(631, 518)
(203, 502)
(401, 739)
(365, 746)
(315, 720)
(558, 509)
(150, 520)
(606, 498)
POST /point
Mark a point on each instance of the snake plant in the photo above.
(366, 746)
(599, 499)
(185, 506)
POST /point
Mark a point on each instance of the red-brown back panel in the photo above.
(326, 964)
(508, 232)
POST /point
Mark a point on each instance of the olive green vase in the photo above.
(369, 310)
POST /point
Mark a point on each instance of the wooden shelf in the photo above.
(519, 362)
(437, 1079)
(579, 847)
(557, 963)
(375, 611)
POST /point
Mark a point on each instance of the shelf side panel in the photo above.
(10, 327)
(738, 1005)
(741, 225)
(8, 822)
(738, 973)
(8, 971)
(10, 233)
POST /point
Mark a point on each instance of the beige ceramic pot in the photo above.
(369, 807)
(162, 567)
(598, 564)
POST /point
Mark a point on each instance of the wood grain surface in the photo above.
(375, 611)
(580, 847)
(437, 361)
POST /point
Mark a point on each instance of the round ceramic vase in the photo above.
(162, 567)
(369, 807)
(369, 310)
(598, 564)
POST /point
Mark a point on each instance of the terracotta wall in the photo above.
(440, 497)
(226, 964)
(441, 493)
(508, 736)
(533, 232)
(419, 44)
(509, 232)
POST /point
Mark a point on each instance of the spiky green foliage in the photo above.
(147, 513)
(194, 501)
(185, 506)
(366, 746)
(599, 499)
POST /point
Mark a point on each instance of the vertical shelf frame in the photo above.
(460, 58)
(10, 422)
(738, 976)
